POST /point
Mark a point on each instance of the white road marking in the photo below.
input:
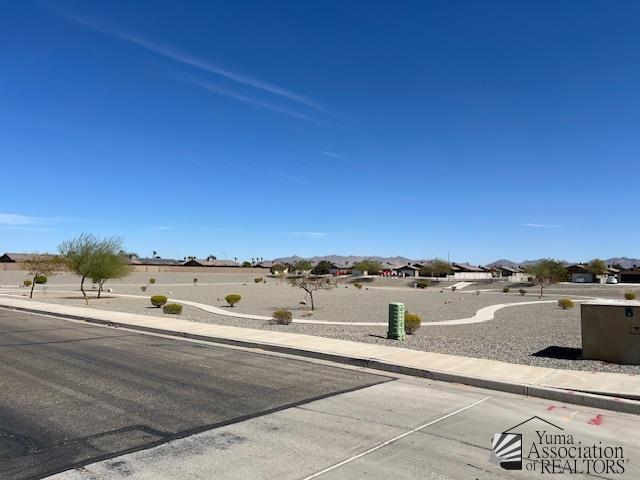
(395, 439)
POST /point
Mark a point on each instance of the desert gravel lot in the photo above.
(541, 334)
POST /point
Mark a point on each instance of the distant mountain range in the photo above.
(350, 259)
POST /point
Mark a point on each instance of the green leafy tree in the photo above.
(303, 266)
(372, 267)
(84, 255)
(547, 272)
(109, 265)
(246, 264)
(322, 268)
(40, 266)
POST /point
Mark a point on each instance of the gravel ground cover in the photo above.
(344, 303)
(542, 334)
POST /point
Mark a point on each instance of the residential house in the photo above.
(465, 271)
(337, 269)
(629, 275)
(511, 274)
(406, 271)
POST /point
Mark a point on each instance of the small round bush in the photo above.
(172, 308)
(158, 300)
(453, 288)
(26, 283)
(630, 295)
(505, 289)
(195, 280)
(152, 281)
(282, 317)
(40, 279)
(423, 284)
(565, 303)
(232, 299)
(522, 291)
(143, 288)
(412, 322)
(357, 285)
(258, 279)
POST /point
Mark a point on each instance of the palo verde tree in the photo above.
(372, 267)
(84, 255)
(109, 265)
(311, 284)
(39, 265)
(435, 268)
(439, 267)
(597, 267)
(547, 272)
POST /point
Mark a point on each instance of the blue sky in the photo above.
(263, 129)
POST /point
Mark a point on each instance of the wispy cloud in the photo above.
(335, 155)
(161, 228)
(540, 225)
(185, 58)
(308, 234)
(212, 87)
(18, 220)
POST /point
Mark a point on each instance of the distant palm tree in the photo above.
(154, 254)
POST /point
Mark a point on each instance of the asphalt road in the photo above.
(72, 393)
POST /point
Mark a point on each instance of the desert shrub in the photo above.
(412, 322)
(143, 288)
(477, 292)
(629, 295)
(423, 284)
(172, 308)
(152, 281)
(522, 291)
(258, 279)
(565, 303)
(40, 279)
(505, 289)
(232, 299)
(158, 300)
(26, 283)
(357, 285)
(282, 317)
(453, 288)
(195, 280)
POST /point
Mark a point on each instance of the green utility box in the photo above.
(396, 321)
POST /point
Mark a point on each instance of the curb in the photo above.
(618, 404)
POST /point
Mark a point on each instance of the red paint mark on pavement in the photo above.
(551, 407)
(597, 420)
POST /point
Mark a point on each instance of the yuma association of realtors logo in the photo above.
(553, 451)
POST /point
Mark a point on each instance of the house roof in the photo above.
(195, 262)
(509, 269)
(404, 267)
(465, 267)
(267, 264)
(20, 257)
(159, 261)
(634, 270)
(341, 266)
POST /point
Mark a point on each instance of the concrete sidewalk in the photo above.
(612, 391)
